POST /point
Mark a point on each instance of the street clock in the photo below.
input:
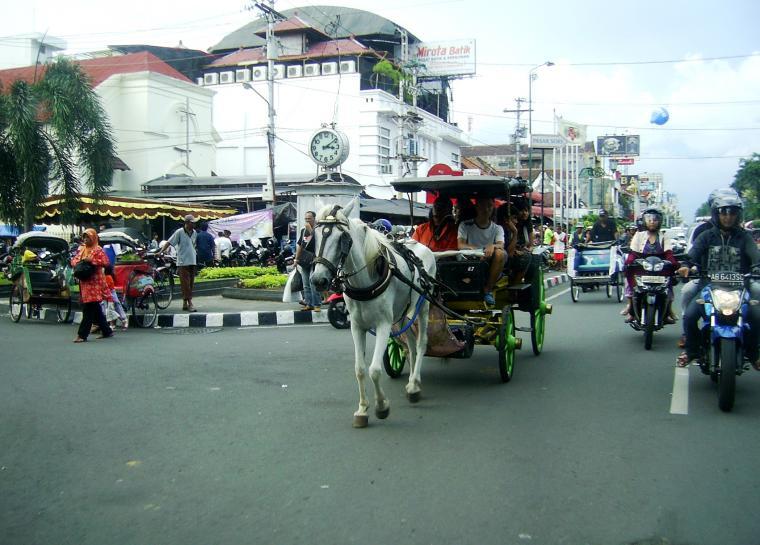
(328, 147)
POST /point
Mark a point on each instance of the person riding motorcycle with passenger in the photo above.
(726, 247)
(651, 241)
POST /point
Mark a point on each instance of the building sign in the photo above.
(618, 146)
(547, 141)
(625, 161)
(448, 58)
(629, 181)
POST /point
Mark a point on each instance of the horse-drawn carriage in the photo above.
(41, 276)
(462, 275)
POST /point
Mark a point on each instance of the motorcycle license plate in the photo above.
(726, 277)
(654, 279)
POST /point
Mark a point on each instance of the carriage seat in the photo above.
(465, 277)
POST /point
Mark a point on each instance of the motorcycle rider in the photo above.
(651, 241)
(726, 247)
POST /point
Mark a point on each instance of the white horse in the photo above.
(375, 296)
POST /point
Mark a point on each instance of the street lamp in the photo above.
(531, 77)
(269, 189)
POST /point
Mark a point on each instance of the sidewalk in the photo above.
(218, 311)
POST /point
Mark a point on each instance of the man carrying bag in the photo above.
(305, 251)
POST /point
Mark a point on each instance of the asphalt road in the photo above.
(244, 436)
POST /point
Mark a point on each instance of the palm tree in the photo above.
(54, 138)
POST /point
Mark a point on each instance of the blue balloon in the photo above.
(660, 116)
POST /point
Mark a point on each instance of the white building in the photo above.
(28, 50)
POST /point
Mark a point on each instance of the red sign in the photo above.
(625, 161)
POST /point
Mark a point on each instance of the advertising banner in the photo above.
(447, 58)
(245, 226)
(618, 146)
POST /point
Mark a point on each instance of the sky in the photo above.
(615, 62)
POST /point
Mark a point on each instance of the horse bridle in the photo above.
(327, 224)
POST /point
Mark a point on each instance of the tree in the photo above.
(54, 137)
(703, 210)
(747, 183)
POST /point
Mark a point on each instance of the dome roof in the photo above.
(334, 21)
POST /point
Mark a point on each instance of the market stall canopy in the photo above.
(122, 207)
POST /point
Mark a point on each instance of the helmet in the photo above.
(602, 212)
(727, 201)
(382, 225)
(651, 214)
(721, 192)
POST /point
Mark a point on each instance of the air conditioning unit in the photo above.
(259, 73)
(311, 69)
(227, 77)
(347, 67)
(210, 79)
(279, 71)
(199, 81)
(242, 74)
(295, 71)
(329, 68)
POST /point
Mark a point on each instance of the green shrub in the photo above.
(215, 273)
(266, 281)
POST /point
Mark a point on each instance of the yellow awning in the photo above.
(123, 207)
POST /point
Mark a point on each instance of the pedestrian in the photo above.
(92, 290)
(113, 309)
(154, 242)
(223, 246)
(560, 237)
(548, 235)
(305, 251)
(183, 240)
(206, 246)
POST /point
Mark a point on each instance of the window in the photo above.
(455, 160)
(384, 151)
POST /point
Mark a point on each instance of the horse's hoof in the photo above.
(361, 421)
(413, 397)
(383, 414)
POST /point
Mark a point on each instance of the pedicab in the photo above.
(592, 265)
(133, 276)
(462, 274)
(41, 275)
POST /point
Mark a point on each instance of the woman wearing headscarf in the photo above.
(94, 289)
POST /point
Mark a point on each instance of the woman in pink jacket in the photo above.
(94, 289)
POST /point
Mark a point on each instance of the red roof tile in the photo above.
(100, 69)
(331, 48)
(244, 56)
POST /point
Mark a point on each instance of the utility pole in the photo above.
(187, 113)
(519, 132)
(272, 17)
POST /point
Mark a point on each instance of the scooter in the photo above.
(650, 307)
(726, 301)
(337, 312)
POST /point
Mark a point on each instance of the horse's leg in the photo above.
(414, 386)
(360, 345)
(382, 406)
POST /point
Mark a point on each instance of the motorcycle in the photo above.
(650, 306)
(726, 300)
(337, 313)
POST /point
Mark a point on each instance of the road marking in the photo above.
(287, 326)
(679, 403)
(563, 292)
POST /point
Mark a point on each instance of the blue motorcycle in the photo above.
(726, 300)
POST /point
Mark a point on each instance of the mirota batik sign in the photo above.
(449, 58)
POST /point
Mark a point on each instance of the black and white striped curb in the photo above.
(556, 280)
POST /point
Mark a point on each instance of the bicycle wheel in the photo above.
(164, 284)
(16, 302)
(145, 309)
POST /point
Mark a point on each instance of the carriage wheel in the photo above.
(394, 358)
(619, 287)
(538, 316)
(507, 344)
(63, 310)
(164, 283)
(145, 309)
(16, 302)
(609, 290)
(575, 291)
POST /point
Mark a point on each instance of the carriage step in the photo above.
(524, 329)
(519, 287)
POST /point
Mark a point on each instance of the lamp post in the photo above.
(531, 76)
(269, 188)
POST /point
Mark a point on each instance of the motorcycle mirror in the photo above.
(754, 302)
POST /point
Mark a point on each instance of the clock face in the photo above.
(328, 148)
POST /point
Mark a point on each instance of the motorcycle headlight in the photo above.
(726, 302)
(657, 267)
(647, 266)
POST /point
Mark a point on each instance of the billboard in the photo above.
(629, 181)
(618, 146)
(447, 58)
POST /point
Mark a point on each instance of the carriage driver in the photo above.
(482, 233)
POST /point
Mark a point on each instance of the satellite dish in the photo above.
(659, 116)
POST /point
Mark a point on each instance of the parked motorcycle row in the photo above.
(268, 254)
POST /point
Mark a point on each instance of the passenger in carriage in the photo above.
(482, 233)
(518, 243)
(440, 232)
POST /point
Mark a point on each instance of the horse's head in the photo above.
(333, 243)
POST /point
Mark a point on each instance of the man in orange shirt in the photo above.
(440, 233)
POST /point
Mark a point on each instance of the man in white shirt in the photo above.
(183, 240)
(482, 233)
(223, 245)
